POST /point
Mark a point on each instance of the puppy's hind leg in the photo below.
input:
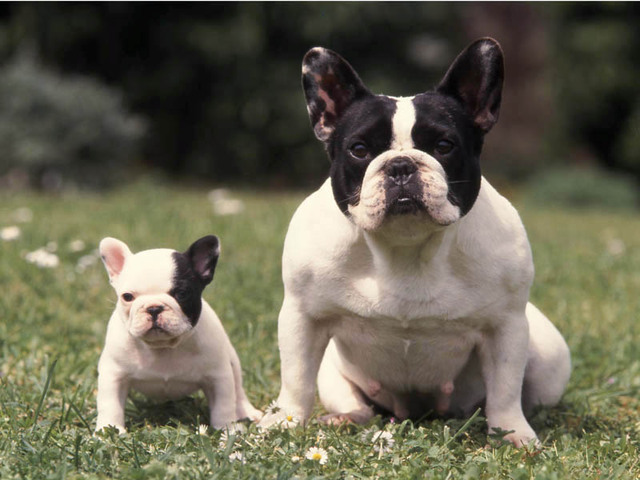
(548, 365)
(341, 398)
(244, 408)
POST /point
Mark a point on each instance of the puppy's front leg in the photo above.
(302, 341)
(503, 355)
(221, 396)
(112, 394)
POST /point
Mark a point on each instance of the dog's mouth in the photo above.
(403, 203)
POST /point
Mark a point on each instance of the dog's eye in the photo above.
(127, 297)
(443, 147)
(359, 150)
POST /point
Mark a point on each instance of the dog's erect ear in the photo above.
(475, 79)
(203, 255)
(114, 254)
(330, 86)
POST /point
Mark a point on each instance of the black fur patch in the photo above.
(367, 121)
(440, 117)
(187, 287)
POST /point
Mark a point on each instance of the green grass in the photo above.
(53, 323)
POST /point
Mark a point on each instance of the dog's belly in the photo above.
(402, 368)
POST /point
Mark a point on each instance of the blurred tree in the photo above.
(220, 82)
(597, 88)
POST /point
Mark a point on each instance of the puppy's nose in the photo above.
(400, 170)
(155, 310)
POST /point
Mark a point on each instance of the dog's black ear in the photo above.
(330, 86)
(475, 79)
(203, 255)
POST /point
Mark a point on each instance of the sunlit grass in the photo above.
(53, 322)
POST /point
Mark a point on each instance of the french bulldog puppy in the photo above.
(406, 275)
(163, 339)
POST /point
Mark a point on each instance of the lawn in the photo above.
(53, 322)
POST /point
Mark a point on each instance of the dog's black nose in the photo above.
(400, 170)
(155, 310)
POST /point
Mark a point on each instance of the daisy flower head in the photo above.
(202, 429)
(9, 234)
(317, 454)
(289, 421)
(383, 441)
(43, 258)
(272, 408)
(236, 457)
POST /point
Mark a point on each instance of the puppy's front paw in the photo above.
(119, 428)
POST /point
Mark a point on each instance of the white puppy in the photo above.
(163, 339)
(406, 274)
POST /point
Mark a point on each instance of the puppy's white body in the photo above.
(168, 363)
(409, 317)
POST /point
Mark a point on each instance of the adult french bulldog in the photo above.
(406, 274)
(163, 339)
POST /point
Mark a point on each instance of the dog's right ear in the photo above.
(114, 254)
(330, 86)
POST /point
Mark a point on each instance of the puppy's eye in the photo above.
(444, 146)
(127, 297)
(359, 150)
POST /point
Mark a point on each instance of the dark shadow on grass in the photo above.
(191, 411)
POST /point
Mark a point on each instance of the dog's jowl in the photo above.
(406, 274)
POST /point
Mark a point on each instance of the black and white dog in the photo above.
(406, 274)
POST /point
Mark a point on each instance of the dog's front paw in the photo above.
(102, 427)
(522, 437)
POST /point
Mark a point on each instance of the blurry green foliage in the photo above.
(56, 129)
(219, 83)
(596, 59)
(582, 188)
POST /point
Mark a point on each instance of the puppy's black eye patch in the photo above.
(127, 297)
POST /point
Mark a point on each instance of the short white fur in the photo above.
(169, 365)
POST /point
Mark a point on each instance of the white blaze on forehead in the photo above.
(149, 272)
(403, 121)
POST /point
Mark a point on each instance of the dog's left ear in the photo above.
(475, 79)
(330, 86)
(203, 255)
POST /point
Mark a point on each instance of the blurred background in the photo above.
(96, 94)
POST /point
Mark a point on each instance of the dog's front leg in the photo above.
(112, 396)
(503, 355)
(302, 341)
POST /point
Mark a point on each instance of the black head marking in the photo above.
(475, 79)
(330, 85)
(194, 271)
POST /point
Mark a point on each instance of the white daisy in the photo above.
(295, 459)
(290, 421)
(202, 429)
(317, 454)
(382, 441)
(11, 233)
(236, 457)
(76, 245)
(272, 408)
(42, 258)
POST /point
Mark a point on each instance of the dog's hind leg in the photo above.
(549, 362)
(343, 400)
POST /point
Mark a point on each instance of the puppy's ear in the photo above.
(114, 254)
(475, 79)
(330, 86)
(203, 255)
